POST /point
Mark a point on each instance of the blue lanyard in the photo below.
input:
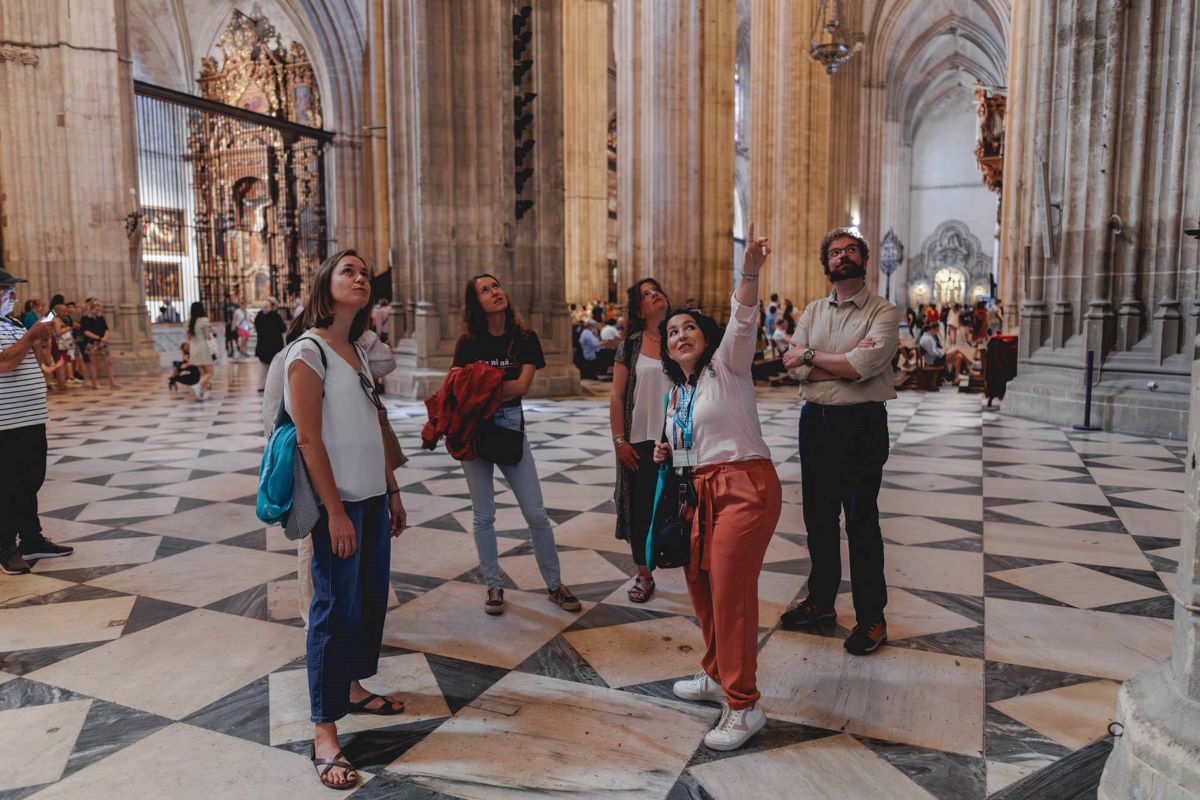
(683, 421)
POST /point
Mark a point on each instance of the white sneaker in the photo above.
(735, 728)
(699, 687)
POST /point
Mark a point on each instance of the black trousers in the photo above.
(642, 484)
(22, 472)
(842, 453)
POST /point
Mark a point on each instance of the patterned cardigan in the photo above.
(627, 355)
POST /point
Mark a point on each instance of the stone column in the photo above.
(1157, 756)
(789, 148)
(675, 155)
(66, 94)
(585, 148)
(1104, 175)
(452, 186)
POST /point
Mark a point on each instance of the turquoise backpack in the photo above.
(276, 477)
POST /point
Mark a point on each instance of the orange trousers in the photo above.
(739, 505)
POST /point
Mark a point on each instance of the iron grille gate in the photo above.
(232, 203)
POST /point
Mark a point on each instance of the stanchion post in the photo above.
(1087, 395)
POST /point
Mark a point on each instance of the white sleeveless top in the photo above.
(648, 393)
(349, 421)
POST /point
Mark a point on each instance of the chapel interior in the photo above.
(1037, 158)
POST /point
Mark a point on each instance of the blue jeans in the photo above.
(350, 595)
(523, 479)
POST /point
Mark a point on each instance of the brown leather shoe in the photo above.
(494, 604)
(563, 598)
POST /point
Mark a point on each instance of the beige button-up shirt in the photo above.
(832, 327)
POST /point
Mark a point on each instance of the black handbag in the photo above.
(669, 541)
(502, 446)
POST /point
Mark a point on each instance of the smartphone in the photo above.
(48, 317)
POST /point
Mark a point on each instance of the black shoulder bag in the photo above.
(669, 540)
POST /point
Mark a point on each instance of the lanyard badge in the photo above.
(681, 423)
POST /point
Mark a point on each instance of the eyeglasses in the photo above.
(850, 250)
(369, 388)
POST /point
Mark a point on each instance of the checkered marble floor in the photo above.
(165, 658)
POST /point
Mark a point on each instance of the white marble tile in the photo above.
(508, 518)
(125, 509)
(1073, 716)
(1140, 479)
(1075, 585)
(781, 549)
(1012, 455)
(1050, 514)
(641, 652)
(38, 626)
(1146, 450)
(908, 616)
(591, 529)
(919, 530)
(105, 449)
(423, 507)
(576, 567)
(221, 462)
(775, 593)
(1096, 643)
(215, 522)
(1159, 498)
(955, 571)
(63, 494)
(88, 468)
(143, 477)
(926, 482)
(200, 576)
(199, 658)
(160, 455)
(831, 768)
(450, 621)
(103, 553)
(18, 588)
(215, 766)
(1063, 544)
(608, 743)
(1053, 491)
(1137, 462)
(1035, 472)
(1151, 522)
(36, 742)
(1001, 775)
(902, 695)
(409, 675)
(931, 504)
(439, 554)
(215, 487)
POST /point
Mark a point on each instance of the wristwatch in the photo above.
(808, 356)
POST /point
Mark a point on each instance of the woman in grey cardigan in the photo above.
(636, 417)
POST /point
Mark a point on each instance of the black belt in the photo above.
(844, 410)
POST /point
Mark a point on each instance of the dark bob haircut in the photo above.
(319, 306)
(838, 233)
(712, 339)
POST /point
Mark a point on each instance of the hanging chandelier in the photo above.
(831, 45)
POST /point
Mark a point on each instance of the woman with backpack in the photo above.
(636, 419)
(495, 334)
(331, 400)
(713, 434)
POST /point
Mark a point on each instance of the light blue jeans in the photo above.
(523, 479)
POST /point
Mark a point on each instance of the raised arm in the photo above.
(737, 346)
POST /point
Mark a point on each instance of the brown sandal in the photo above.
(388, 709)
(642, 590)
(324, 765)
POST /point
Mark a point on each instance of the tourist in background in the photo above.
(241, 328)
(495, 334)
(713, 434)
(269, 328)
(635, 411)
(199, 337)
(94, 328)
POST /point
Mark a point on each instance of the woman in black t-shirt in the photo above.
(94, 330)
(497, 336)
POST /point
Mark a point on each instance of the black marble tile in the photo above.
(622, 561)
(603, 615)
(558, 659)
(251, 603)
(1162, 564)
(967, 606)
(688, 788)
(947, 776)
(1141, 577)
(20, 662)
(409, 587)
(972, 544)
(24, 693)
(799, 567)
(660, 689)
(474, 575)
(254, 540)
(387, 787)
(996, 589)
(70, 512)
(966, 643)
(607, 507)
(1075, 777)
(446, 522)
(1156, 607)
(115, 533)
(147, 612)
(87, 573)
(108, 728)
(995, 563)
(173, 546)
(245, 713)
(1002, 681)
(1008, 740)
(462, 681)
(595, 592)
(776, 734)
(69, 595)
(1154, 542)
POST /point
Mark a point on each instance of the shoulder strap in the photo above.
(283, 416)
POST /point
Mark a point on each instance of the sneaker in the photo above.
(11, 563)
(699, 687)
(563, 598)
(866, 639)
(494, 604)
(735, 728)
(805, 614)
(41, 547)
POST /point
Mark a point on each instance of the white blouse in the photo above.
(725, 425)
(649, 390)
(349, 421)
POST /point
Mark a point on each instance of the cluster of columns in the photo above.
(1103, 176)
(66, 215)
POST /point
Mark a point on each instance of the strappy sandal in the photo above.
(324, 765)
(388, 709)
(642, 590)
